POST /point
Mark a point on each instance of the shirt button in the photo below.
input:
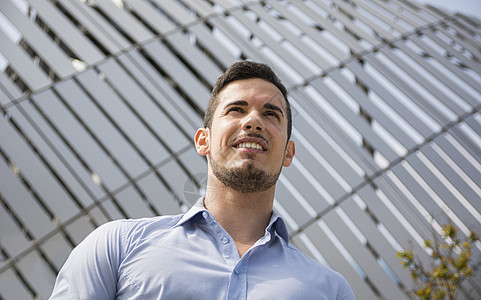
(205, 215)
(236, 272)
(225, 240)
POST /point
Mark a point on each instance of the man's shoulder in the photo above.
(319, 275)
(127, 228)
(311, 265)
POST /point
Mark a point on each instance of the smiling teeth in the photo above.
(250, 145)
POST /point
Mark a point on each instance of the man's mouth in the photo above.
(251, 142)
(250, 146)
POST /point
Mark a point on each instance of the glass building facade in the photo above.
(100, 100)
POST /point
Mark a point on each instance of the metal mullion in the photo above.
(272, 44)
(427, 233)
(465, 36)
(356, 93)
(436, 186)
(99, 124)
(323, 176)
(337, 261)
(297, 175)
(362, 158)
(386, 34)
(310, 32)
(330, 155)
(387, 96)
(206, 39)
(455, 70)
(73, 151)
(344, 20)
(137, 149)
(469, 26)
(105, 148)
(408, 5)
(18, 273)
(466, 142)
(296, 41)
(355, 120)
(465, 43)
(32, 164)
(115, 83)
(395, 12)
(170, 101)
(176, 121)
(380, 15)
(203, 9)
(467, 168)
(8, 88)
(177, 11)
(456, 180)
(440, 76)
(385, 215)
(179, 73)
(49, 165)
(30, 73)
(441, 188)
(69, 34)
(12, 202)
(245, 46)
(155, 19)
(40, 203)
(314, 34)
(368, 226)
(38, 40)
(61, 158)
(194, 56)
(96, 25)
(18, 194)
(472, 64)
(422, 80)
(415, 96)
(418, 194)
(229, 5)
(476, 126)
(363, 256)
(456, 155)
(29, 235)
(125, 20)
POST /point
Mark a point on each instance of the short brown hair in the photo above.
(246, 70)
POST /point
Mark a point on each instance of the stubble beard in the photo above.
(246, 178)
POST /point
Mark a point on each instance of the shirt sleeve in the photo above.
(91, 270)
(345, 291)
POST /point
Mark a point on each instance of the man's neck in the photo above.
(244, 216)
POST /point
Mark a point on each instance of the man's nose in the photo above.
(253, 122)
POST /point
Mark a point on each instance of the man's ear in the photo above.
(289, 153)
(201, 140)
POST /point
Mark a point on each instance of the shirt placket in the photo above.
(237, 269)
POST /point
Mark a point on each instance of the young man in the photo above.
(230, 244)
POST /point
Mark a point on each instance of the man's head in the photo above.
(246, 70)
(246, 133)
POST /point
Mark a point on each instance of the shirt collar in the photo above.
(192, 212)
(276, 224)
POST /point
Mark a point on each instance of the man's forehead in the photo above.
(247, 88)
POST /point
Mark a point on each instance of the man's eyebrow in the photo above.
(274, 107)
(237, 102)
(245, 103)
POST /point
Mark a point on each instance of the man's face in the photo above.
(247, 142)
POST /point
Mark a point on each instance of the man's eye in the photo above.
(236, 109)
(271, 114)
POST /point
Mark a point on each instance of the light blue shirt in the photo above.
(191, 256)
